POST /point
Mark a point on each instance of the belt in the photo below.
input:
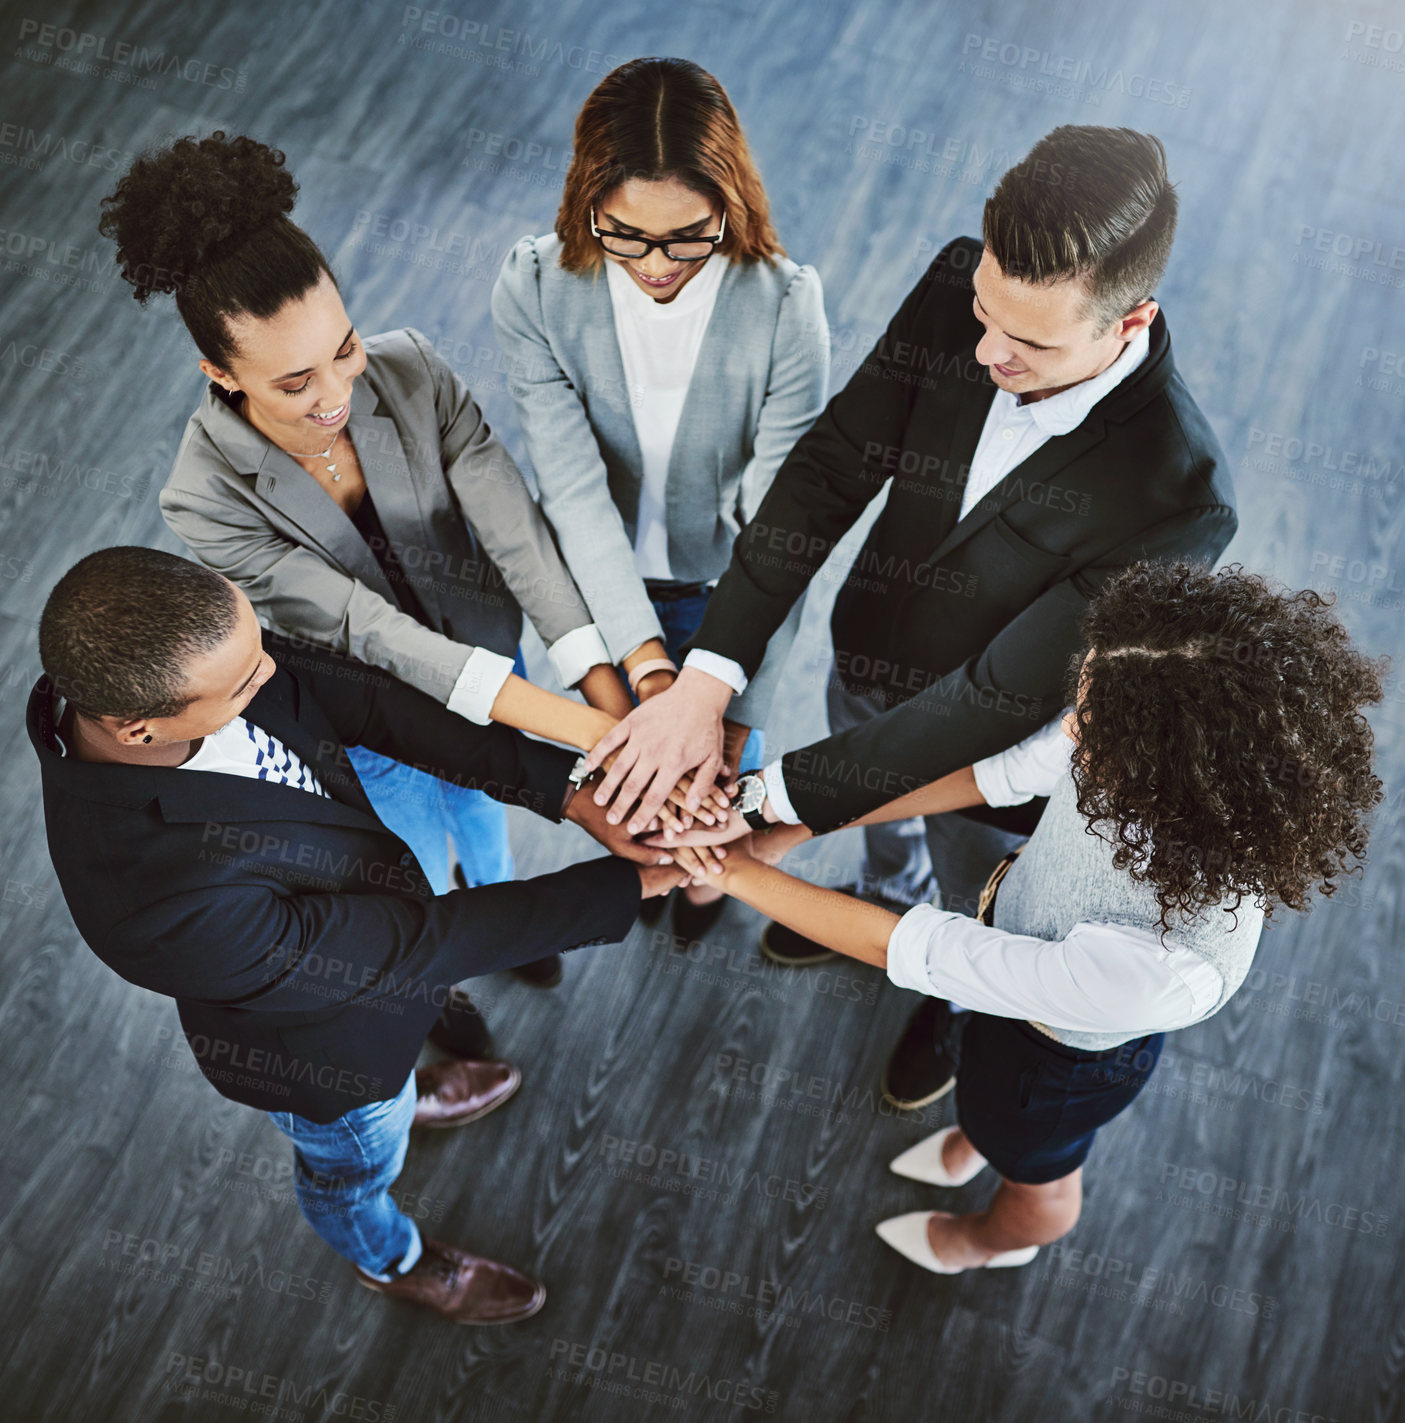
(985, 913)
(661, 591)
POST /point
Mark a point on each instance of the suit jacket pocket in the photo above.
(1038, 558)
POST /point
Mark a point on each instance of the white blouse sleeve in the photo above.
(1099, 978)
(1030, 768)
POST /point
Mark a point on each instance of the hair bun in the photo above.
(178, 207)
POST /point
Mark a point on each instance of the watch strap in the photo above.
(755, 818)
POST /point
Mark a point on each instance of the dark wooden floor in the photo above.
(697, 1159)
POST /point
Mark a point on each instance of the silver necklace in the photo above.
(326, 455)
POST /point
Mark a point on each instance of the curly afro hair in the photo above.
(207, 219)
(1221, 738)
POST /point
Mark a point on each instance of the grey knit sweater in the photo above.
(1065, 876)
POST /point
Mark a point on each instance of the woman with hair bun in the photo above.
(664, 355)
(352, 488)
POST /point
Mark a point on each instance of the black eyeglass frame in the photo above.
(651, 242)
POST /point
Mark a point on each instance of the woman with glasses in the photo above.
(664, 356)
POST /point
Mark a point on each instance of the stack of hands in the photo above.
(660, 791)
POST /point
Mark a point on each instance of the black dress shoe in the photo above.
(460, 1029)
(653, 909)
(923, 1065)
(543, 973)
(791, 950)
(691, 921)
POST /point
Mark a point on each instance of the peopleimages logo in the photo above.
(683, 1277)
(1026, 60)
(255, 1390)
(1194, 1182)
(627, 1374)
(88, 53)
(1183, 1395)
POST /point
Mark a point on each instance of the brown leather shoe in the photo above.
(451, 1094)
(465, 1288)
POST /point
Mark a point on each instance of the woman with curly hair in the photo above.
(1214, 768)
(352, 488)
(664, 355)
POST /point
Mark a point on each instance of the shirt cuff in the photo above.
(715, 665)
(907, 949)
(993, 781)
(776, 793)
(478, 686)
(573, 655)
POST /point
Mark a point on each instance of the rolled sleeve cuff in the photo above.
(776, 793)
(715, 665)
(993, 781)
(907, 949)
(478, 685)
(573, 655)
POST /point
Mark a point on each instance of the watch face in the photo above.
(753, 790)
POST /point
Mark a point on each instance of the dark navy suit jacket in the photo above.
(306, 953)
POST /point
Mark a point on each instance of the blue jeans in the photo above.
(680, 618)
(343, 1170)
(422, 810)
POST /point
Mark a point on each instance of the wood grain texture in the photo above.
(698, 1156)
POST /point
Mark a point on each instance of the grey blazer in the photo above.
(761, 379)
(469, 534)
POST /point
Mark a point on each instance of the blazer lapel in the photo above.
(967, 421)
(392, 484)
(697, 433)
(1121, 402)
(286, 486)
(213, 795)
(1044, 463)
(608, 404)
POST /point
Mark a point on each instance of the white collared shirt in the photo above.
(239, 748)
(659, 344)
(1013, 431)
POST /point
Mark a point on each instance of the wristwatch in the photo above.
(751, 790)
(576, 778)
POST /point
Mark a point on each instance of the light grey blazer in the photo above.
(761, 379)
(470, 536)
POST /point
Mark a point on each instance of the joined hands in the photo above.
(670, 738)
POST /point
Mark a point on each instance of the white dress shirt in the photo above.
(1011, 434)
(572, 655)
(1013, 431)
(239, 748)
(1100, 977)
(659, 344)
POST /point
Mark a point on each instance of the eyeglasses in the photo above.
(688, 249)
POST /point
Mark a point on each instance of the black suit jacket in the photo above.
(966, 629)
(305, 950)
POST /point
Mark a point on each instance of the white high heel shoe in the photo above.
(923, 1162)
(907, 1234)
